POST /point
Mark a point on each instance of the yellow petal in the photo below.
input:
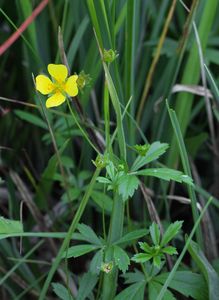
(71, 87)
(58, 72)
(44, 85)
(55, 100)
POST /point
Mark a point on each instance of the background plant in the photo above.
(79, 229)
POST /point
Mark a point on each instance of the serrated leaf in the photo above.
(131, 236)
(141, 257)
(145, 247)
(121, 258)
(89, 235)
(127, 184)
(87, 284)
(154, 152)
(96, 262)
(187, 283)
(207, 270)
(166, 174)
(154, 290)
(8, 226)
(110, 170)
(169, 250)
(79, 250)
(155, 233)
(103, 180)
(171, 232)
(133, 292)
(61, 291)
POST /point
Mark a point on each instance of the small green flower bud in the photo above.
(83, 80)
(100, 162)
(109, 55)
(142, 149)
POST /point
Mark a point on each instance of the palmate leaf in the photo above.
(127, 184)
(187, 283)
(133, 292)
(166, 174)
(154, 152)
(154, 290)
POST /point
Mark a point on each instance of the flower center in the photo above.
(59, 87)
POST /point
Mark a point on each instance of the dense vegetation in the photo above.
(109, 189)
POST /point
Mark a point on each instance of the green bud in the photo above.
(83, 80)
(109, 55)
(142, 149)
(100, 162)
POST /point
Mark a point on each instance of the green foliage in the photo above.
(61, 291)
(10, 226)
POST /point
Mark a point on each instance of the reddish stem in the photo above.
(23, 27)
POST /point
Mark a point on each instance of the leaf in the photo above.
(154, 290)
(155, 233)
(131, 236)
(102, 200)
(171, 232)
(121, 258)
(103, 180)
(157, 261)
(132, 277)
(169, 250)
(127, 184)
(207, 270)
(154, 152)
(133, 292)
(31, 118)
(8, 226)
(166, 174)
(145, 247)
(96, 262)
(187, 283)
(110, 170)
(141, 257)
(79, 250)
(87, 284)
(61, 291)
(88, 234)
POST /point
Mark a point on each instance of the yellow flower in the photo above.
(59, 87)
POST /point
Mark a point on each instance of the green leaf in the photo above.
(133, 277)
(157, 261)
(87, 284)
(8, 226)
(133, 292)
(207, 270)
(88, 234)
(171, 232)
(131, 236)
(79, 250)
(103, 180)
(155, 233)
(166, 174)
(144, 246)
(110, 170)
(169, 250)
(96, 262)
(154, 152)
(61, 291)
(127, 184)
(102, 200)
(31, 118)
(141, 257)
(154, 290)
(121, 258)
(187, 283)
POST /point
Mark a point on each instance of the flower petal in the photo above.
(71, 87)
(44, 85)
(58, 72)
(55, 100)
